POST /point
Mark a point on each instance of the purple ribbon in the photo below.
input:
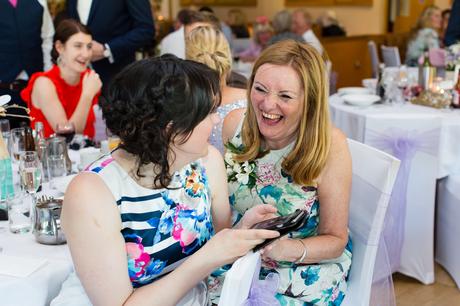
(262, 292)
(403, 144)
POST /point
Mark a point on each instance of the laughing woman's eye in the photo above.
(260, 89)
(285, 98)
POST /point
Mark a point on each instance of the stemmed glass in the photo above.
(30, 169)
(67, 130)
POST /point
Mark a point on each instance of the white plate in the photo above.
(61, 183)
(361, 100)
(353, 91)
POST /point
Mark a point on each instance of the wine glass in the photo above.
(30, 169)
(67, 130)
(17, 142)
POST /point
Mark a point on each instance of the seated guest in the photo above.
(209, 46)
(237, 22)
(174, 43)
(282, 25)
(263, 32)
(66, 92)
(425, 34)
(329, 25)
(144, 223)
(301, 162)
(223, 26)
(302, 25)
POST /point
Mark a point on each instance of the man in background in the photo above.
(453, 29)
(301, 25)
(26, 40)
(119, 28)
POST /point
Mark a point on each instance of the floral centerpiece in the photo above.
(452, 56)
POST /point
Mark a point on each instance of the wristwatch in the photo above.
(106, 52)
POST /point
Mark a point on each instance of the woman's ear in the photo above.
(59, 47)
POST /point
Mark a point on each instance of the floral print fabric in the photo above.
(314, 284)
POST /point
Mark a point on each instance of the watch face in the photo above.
(106, 53)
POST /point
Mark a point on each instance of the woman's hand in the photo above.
(91, 84)
(257, 214)
(283, 249)
(230, 244)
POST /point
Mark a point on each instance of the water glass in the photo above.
(57, 168)
(19, 213)
(17, 142)
(5, 130)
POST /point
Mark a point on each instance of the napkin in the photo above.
(19, 266)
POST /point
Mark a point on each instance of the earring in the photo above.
(59, 60)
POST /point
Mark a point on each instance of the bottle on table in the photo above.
(427, 73)
(380, 86)
(40, 146)
(6, 172)
(29, 139)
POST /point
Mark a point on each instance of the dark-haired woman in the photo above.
(151, 214)
(66, 92)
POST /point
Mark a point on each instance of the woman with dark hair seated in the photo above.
(150, 215)
(67, 92)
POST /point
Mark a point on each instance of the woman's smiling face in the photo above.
(277, 97)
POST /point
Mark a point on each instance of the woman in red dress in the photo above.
(67, 92)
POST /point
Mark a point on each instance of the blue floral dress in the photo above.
(313, 284)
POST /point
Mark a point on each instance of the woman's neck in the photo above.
(69, 76)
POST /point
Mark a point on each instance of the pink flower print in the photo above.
(267, 174)
(137, 259)
(182, 235)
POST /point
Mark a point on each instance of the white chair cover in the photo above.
(415, 141)
(99, 124)
(374, 173)
(448, 226)
(391, 56)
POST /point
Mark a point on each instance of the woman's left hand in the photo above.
(283, 249)
(257, 214)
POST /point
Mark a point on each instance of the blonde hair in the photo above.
(208, 45)
(309, 154)
(424, 20)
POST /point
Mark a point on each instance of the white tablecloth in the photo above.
(352, 121)
(44, 284)
(360, 122)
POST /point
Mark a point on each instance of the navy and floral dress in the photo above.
(313, 284)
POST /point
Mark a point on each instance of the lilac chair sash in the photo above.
(403, 144)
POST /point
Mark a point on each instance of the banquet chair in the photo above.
(390, 56)
(375, 62)
(410, 232)
(448, 226)
(374, 173)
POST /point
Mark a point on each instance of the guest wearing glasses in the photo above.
(295, 159)
(208, 45)
(68, 91)
(152, 214)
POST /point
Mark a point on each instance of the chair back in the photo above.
(391, 56)
(374, 173)
(374, 58)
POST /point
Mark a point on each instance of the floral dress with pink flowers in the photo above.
(263, 182)
(161, 227)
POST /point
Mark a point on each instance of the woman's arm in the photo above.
(45, 98)
(217, 178)
(92, 225)
(333, 193)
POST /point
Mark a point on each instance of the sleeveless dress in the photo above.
(69, 96)
(161, 227)
(313, 284)
(223, 111)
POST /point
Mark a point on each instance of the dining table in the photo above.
(427, 141)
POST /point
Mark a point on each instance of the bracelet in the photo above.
(304, 254)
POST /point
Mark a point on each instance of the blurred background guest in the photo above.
(330, 25)
(236, 19)
(445, 22)
(453, 29)
(119, 28)
(302, 25)
(25, 47)
(223, 26)
(262, 33)
(208, 45)
(282, 26)
(174, 43)
(424, 35)
(67, 92)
